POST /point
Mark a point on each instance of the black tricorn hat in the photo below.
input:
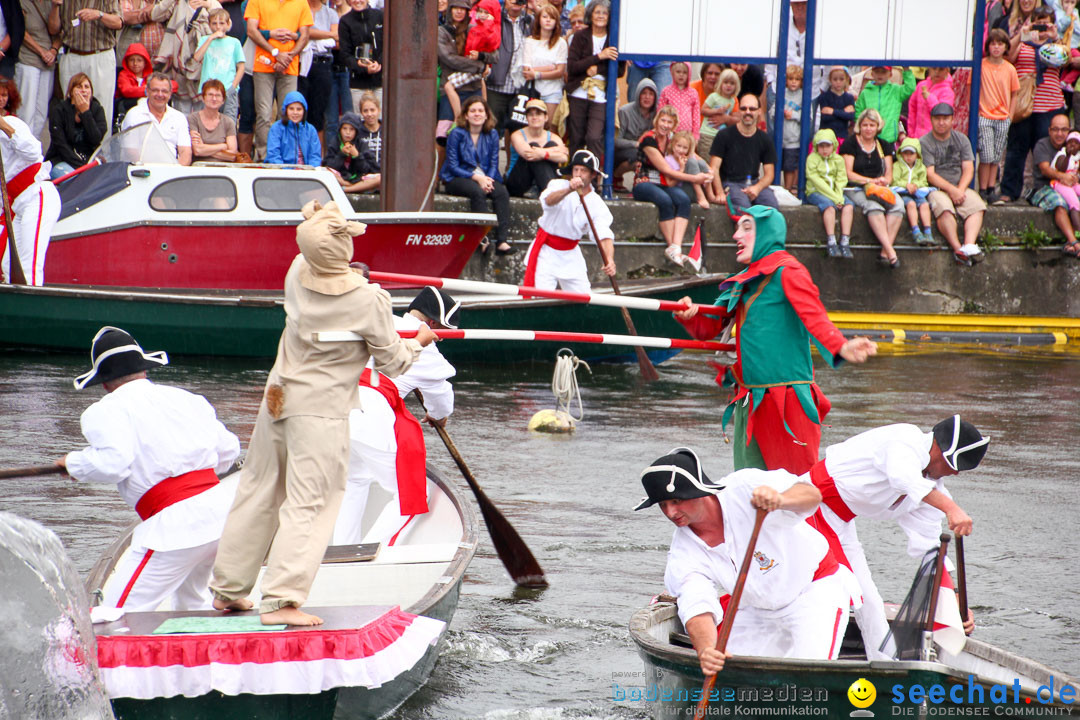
(115, 354)
(437, 305)
(585, 159)
(676, 476)
(961, 444)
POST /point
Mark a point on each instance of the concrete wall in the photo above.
(1012, 280)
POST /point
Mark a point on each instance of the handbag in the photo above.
(880, 193)
(515, 114)
(1025, 99)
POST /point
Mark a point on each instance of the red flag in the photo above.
(948, 626)
(695, 255)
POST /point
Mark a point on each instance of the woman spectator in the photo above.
(213, 135)
(586, 79)
(9, 96)
(656, 178)
(868, 161)
(1048, 99)
(360, 42)
(535, 152)
(471, 169)
(544, 60)
(292, 140)
(76, 126)
(1017, 17)
(452, 59)
(708, 82)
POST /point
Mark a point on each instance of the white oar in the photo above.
(545, 336)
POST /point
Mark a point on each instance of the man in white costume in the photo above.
(796, 598)
(163, 448)
(896, 473)
(382, 426)
(554, 258)
(35, 204)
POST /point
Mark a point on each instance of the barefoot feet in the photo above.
(290, 615)
(233, 605)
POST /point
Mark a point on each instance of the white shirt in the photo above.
(21, 150)
(875, 469)
(538, 54)
(787, 553)
(173, 126)
(142, 433)
(598, 97)
(567, 219)
(430, 373)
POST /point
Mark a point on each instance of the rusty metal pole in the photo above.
(409, 59)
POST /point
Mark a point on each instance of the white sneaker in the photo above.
(674, 255)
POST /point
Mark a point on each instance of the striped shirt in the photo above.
(88, 37)
(1047, 93)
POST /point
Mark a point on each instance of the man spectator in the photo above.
(171, 123)
(635, 119)
(950, 168)
(277, 58)
(12, 31)
(90, 35)
(506, 76)
(737, 155)
(37, 61)
(1043, 194)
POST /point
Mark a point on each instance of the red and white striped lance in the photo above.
(545, 336)
(525, 291)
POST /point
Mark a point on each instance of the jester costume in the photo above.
(777, 407)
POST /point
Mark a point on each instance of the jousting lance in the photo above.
(545, 336)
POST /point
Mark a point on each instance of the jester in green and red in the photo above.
(777, 312)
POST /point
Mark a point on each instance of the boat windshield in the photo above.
(142, 143)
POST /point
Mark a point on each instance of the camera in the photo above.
(1041, 27)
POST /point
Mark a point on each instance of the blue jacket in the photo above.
(462, 157)
(286, 138)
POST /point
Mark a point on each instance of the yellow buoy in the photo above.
(552, 421)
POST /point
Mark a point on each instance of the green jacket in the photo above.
(827, 176)
(887, 99)
(902, 174)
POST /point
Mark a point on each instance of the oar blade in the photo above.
(509, 545)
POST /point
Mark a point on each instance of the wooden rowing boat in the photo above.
(787, 687)
(422, 576)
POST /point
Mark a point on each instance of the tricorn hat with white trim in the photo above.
(116, 354)
(437, 305)
(676, 476)
(961, 444)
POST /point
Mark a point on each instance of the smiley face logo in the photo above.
(862, 693)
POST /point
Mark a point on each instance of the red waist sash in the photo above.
(23, 180)
(411, 454)
(543, 237)
(174, 489)
(824, 482)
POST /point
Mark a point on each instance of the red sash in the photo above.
(174, 489)
(411, 455)
(23, 180)
(824, 482)
(543, 237)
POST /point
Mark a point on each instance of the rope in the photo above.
(564, 382)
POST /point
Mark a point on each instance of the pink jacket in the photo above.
(687, 103)
(918, 123)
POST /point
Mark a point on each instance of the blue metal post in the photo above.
(781, 71)
(808, 91)
(612, 100)
(976, 80)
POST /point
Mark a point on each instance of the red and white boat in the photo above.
(139, 223)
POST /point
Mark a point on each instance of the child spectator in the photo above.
(826, 178)
(999, 87)
(545, 57)
(725, 99)
(356, 167)
(683, 98)
(792, 126)
(222, 59)
(936, 88)
(1067, 160)
(485, 36)
(292, 140)
(910, 185)
(681, 158)
(887, 98)
(369, 134)
(131, 81)
(837, 104)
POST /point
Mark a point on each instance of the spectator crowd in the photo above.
(523, 84)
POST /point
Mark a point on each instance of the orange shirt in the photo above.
(272, 15)
(999, 84)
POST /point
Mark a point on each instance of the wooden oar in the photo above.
(961, 579)
(31, 471)
(729, 616)
(544, 336)
(648, 372)
(527, 291)
(511, 549)
(14, 263)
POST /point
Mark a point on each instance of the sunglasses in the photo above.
(750, 109)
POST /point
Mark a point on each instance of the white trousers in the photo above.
(35, 88)
(811, 626)
(35, 213)
(871, 616)
(146, 578)
(562, 268)
(101, 69)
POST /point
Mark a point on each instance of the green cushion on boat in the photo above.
(210, 625)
